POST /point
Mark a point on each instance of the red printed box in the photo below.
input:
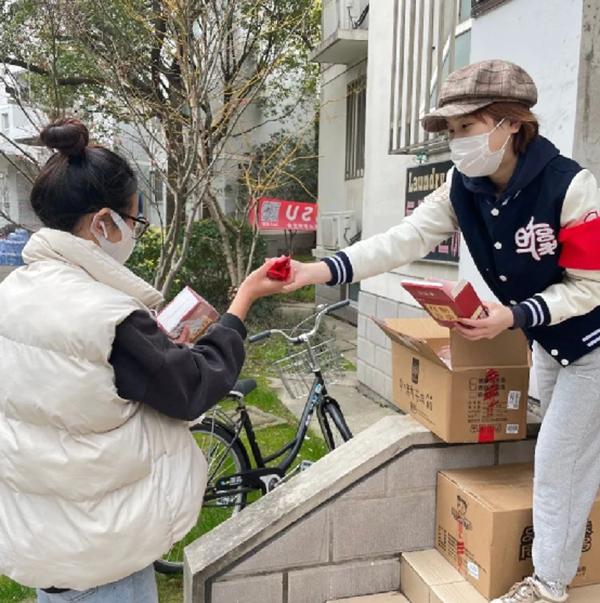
(188, 309)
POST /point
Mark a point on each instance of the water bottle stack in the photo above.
(11, 248)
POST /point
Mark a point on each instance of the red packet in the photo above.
(280, 269)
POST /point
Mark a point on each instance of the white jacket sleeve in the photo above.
(579, 291)
(413, 238)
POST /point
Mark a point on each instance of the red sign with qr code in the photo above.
(277, 214)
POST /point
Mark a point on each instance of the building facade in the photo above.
(410, 42)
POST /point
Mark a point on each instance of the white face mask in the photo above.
(472, 156)
(121, 250)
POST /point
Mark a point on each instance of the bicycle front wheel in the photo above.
(333, 424)
(225, 456)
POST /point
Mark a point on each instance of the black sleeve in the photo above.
(178, 381)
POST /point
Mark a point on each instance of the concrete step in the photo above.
(426, 577)
(379, 598)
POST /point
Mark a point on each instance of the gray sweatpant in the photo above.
(567, 462)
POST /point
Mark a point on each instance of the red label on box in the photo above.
(487, 433)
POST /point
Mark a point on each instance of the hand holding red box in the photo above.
(447, 301)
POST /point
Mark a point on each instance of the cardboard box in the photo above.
(421, 570)
(484, 527)
(463, 391)
(457, 592)
(187, 309)
(587, 594)
(392, 597)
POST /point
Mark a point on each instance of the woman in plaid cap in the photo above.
(530, 218)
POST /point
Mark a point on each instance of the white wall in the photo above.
(385, 174)
(543, 37)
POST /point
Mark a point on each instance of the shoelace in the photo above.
(521, 591)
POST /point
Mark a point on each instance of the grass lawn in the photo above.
(11, 591)
(259, 365)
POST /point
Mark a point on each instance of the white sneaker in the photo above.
(530, 591)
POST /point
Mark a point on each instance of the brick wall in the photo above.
(374, 360)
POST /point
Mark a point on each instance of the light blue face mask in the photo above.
(472, 156)
(122, 250)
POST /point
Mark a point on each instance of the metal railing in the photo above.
(426, 33)
(344, 14)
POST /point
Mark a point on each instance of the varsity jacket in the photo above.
(536, 245)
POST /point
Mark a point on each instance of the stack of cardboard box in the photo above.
(464, 392)
(426, 577)
(484, 528)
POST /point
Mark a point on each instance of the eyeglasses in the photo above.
(140, 227)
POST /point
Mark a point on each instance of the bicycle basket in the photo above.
(296, 373)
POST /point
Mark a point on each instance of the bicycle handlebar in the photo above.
(259, 336)
(336, 306)
(302, 338)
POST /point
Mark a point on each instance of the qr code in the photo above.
(473, 569)
(514, 400)
(269, 211)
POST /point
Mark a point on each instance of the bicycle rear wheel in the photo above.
(333, 424)
(225, 456)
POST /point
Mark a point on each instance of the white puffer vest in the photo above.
(92, 487)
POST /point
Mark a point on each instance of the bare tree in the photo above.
(183, 74)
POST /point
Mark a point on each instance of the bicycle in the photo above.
(232, 478)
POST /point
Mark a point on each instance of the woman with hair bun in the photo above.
(99, 474)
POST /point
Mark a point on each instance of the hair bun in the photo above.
(68, 136)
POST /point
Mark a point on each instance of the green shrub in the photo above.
(204, 268)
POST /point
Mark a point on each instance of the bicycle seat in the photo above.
(243, 387)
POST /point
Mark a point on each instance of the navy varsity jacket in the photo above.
(515, 242)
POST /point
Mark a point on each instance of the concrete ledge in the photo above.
(338, 529)
(207, 556)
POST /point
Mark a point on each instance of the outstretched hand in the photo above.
(499, 319)
(302, 274)
(258, 283)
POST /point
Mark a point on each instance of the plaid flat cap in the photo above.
(479, 85)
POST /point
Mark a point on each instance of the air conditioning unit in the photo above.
(337, 228)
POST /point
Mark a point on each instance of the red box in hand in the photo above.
(280, 269)
(188, 309)
(447, 301)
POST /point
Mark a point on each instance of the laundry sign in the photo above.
(421, 181)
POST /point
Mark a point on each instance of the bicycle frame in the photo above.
(317, 397)
(316, 401)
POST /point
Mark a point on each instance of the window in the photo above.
(432, 38)
(157, 186)
(482, 6)
(356, 105)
